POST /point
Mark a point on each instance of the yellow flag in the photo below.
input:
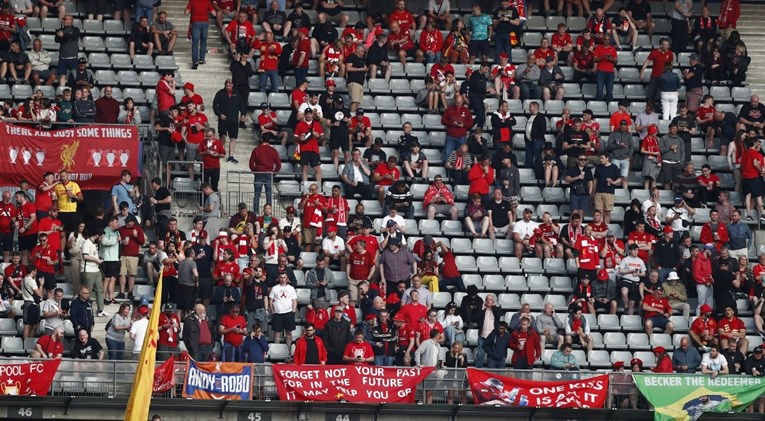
(140, 396)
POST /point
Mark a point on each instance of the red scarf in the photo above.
(573, 234)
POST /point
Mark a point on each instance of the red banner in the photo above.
(164, 376)
(27, 379)
(94, 155)
(492, 389)
(350, 383)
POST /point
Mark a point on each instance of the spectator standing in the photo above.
(309, 349)
(477, 91)
(115, 333)
(138, 331)
(458, 120)
(197, 334)
(231, 108)
(91, 272)
(659, 57)
(673, 155)
(199, 11)
(730, 11)
(524, 342)
(680, 14)
(668, 87)
(605, 60)
(686, 359)
(487, 316)
(283, 301)
(337, 333)
(68, 36)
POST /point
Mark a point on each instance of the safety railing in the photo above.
(240, 188)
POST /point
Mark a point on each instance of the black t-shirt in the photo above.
(19, 59)
(340, 132)
(163, 137)
(684, 123)
(89, 351)
(753, 114)
(311, 352)
(503, 18)
(639, 11)
(355, 77)
(254, 295)
(602, 173)
(274, 18)
(326, 101)
(696, 80)
(204, 264)
(375, 157)
(377, 53)
(575, 186)
(161, 194)
(576, 138)
(620, 24)
(498, 212)
(302, 21)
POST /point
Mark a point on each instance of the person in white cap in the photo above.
(677, 295)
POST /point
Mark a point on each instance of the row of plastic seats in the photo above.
(87, 26)
(118, 61)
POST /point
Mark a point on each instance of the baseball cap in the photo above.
(290, 209)
(331, 82)
(678, 199)
(144, 301)
(82, 60)
(602, 275)
(758, 350)
(338, 310)
(143, 311)
(503, 55)
(264, 105)
(332, 229)
(203, 234)
(360, 111)
(391, 223)
(548, 59)
(636, 361)
(617, 365)
(369, 317)
(168, 307)
(667, 230)
(189, 86)
(706, 308)
(528, 210)
(659, 350)
(394, 242)
(222, 233)
(399, 317)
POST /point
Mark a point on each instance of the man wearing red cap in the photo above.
(703, 330)
(656, 312)
(604, 292)
(663, 361)
(190, 96)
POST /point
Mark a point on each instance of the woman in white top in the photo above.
(74, 245)
(452, 323)
(32, 292)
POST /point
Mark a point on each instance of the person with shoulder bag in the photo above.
(32, 292)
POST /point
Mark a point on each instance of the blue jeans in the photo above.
(480, 354)
(580, 202)
(301, 73)
(451, 144)
(431, 57)
(452, 335)
(533, 154)
(455, 282)
(501, 45)
(663, 273)
(116, 349)
(199, 40)
(529, 90)
(144, 11)
(495, 363)
(264, 77)
(232, 353)
(262, 181)
(479, 109)
(384, 360)
(604, 79)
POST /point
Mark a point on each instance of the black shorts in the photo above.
(478, 48)
(632, 287)
(282, 322)
(205, 288)
(339, 142)
(753, 186)
(31, 313)
(6, 242)
(49, 278)
(69, 220)
(310, 158)
(606, 305)
(111, 269)
(27, 242)
(187, 295)
(229, 129)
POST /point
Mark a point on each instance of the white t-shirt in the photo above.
(677, 224)
(27, 290)
(524, 229)
(648, 203)
(282, 296)
(331, 247)
(715, 364)
(316, 110)
(139, 331)
(630, 262)
(399, 220)
(89, 248)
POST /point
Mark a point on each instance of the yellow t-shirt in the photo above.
(62, 198)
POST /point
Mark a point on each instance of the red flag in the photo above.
(164, 376)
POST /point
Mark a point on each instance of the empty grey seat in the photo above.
(400, 86)
(165, 63)
(128, 78)
(99, 61)
(116, 44)
(21, 91)
(93, 44)
(143, 62)
(150, 78)
(114, 27)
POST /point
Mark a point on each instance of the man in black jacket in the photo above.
(231, 110)
(198, 334)
(241, 71)
(488, 312)
(68, 37)
(336, 334)
(536, 126)
(502, 123)
(477, 93)
(81, 311)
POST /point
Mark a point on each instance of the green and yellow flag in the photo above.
(685, 397)
(140, 396)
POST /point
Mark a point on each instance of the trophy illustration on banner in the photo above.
(97, 154)
(26, 154)
(13, 151)
(40, 157)
(124, 156)
(110, 158)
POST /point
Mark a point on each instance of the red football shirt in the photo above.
(39, 253)
(659, 60)
(228, 321)
(213, 145)
(360, 265)
(8, 215)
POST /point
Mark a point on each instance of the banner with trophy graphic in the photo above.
(94, 155)
(27, 379)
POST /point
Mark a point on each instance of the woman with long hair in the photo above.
(456, 44)
(115, 332)
(453, 360)
(74, 246)
(129, 113)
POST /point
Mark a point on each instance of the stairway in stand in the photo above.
(751, 29)
(208, 79)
